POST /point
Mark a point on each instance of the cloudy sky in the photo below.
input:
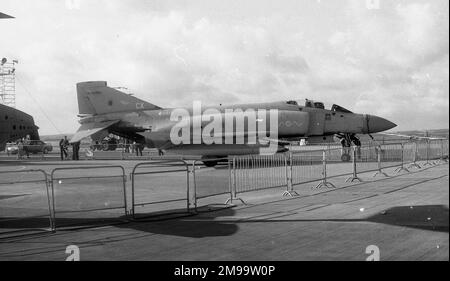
(390, 59)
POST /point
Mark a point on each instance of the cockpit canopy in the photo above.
(314, 104)
(338, 108)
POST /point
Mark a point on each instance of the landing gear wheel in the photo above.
(210, 163)
(345, 157)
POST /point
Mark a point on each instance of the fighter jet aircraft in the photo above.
(104, 110)
(14, 125)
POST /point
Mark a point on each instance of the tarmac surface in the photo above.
(404, 215)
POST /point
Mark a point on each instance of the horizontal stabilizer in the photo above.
(88, 129)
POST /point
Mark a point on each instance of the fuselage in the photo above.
(294, 121)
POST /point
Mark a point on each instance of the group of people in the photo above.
(64, 145)
(22, 147)
(133, 147)
(64, 149)
(113, 143)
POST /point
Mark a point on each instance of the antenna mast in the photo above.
(8, 82)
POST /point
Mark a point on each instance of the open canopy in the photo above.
(338, 108)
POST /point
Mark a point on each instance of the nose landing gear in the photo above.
(346, 142)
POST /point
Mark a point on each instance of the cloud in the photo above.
(391, 62)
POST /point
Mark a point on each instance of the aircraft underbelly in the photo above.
(215, 149)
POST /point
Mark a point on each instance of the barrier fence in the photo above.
(151, 192)
(83, 196)
(210, 185)
(252, 172)
(24, 202)
(321, 165)
(88, 195)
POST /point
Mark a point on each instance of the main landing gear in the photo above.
(211, 161)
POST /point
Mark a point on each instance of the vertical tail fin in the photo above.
(96, 97)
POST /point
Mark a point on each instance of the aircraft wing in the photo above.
(89, 129)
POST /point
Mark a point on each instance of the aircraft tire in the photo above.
(210, 163)
(345, 157)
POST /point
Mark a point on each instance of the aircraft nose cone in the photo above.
(377, 124)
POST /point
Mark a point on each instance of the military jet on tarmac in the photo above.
(104, 110)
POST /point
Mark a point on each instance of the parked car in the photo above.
(35, 146)
(12, 148)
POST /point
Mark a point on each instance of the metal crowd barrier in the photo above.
(254, 172)
(210, 183)
(406, 156)
(439, 150)
(413, 156)
(257, 172)
(25, 209)
(157, 190)
(88, 198)
(306, 166)
(70, 193)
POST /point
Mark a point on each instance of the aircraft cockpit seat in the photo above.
(319, 105)
(313, 104)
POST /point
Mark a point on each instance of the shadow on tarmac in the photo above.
(425, 217)
(173, 222)
(176, 223)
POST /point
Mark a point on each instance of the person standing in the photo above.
(127, 146)
(133, 147)
(20, 149)
(26, 146)
(139, 148)
(76, 150)
(63, 143)
(61, 148)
